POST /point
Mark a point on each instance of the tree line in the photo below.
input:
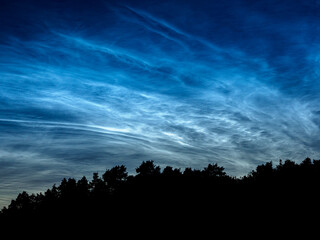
(115, 193)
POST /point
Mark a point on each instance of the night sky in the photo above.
(87, 85)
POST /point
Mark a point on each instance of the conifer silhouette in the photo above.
(151, 193)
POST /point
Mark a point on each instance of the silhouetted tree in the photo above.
(170, 172)
(306, 162)
(98, 186)
(214, 171)
(189, 172)
(115, 176)
(68, 188)
(117, 196)
(148, 169)
(287, 170)
(263, 172)
(83, 187)
(51, 194)
(288, 164)
(22, 202)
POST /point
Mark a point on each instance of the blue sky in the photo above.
(87, 85)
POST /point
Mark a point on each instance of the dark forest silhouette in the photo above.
(287, 188)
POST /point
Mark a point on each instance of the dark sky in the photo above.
(87, 85)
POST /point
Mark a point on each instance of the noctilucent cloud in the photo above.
(87, 85)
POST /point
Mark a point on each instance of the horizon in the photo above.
(86, 86)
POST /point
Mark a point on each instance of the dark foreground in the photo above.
(156, 199)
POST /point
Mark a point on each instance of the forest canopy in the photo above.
(117, 193)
